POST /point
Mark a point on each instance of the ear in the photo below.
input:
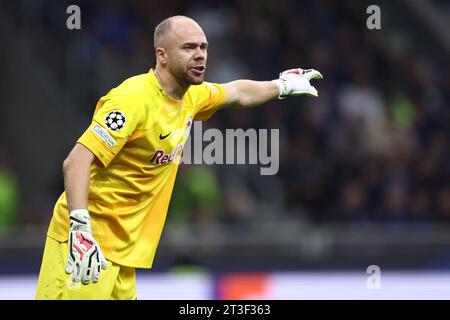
(161, 55)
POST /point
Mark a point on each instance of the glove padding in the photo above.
(85, 257)
(295, 82)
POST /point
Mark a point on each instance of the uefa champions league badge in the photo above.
(115, 120)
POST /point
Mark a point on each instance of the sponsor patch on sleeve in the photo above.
(104, 135)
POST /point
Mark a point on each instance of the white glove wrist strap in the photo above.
(282, 88)
(80, 220)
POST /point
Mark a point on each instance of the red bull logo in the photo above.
(161, 157)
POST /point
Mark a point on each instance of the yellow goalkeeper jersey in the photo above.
(137, 134)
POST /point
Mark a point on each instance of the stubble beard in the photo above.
(182, 74)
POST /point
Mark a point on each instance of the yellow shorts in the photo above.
(117, 282)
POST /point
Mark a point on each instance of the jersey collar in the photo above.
(154, 81)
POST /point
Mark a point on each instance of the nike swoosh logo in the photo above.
(161, 137)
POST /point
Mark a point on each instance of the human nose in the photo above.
(200, 54)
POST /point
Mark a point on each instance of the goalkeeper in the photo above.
(119, 176)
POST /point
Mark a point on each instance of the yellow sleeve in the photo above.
(211, 96)
(115, 119)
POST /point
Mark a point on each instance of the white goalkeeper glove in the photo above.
(295, 82)
(85, 257)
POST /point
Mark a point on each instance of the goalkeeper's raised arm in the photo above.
(249, 93)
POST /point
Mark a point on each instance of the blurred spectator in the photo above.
(443, 203)
(421, 207)
(352, 204)
(395, 205)
(361, 106)
(196, 197)
(9, 195)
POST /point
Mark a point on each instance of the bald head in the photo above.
(173, 24)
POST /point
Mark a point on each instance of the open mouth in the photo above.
(199, 69)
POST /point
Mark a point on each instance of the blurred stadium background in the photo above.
(364, 169)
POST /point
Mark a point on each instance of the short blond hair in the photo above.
(163, 28)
